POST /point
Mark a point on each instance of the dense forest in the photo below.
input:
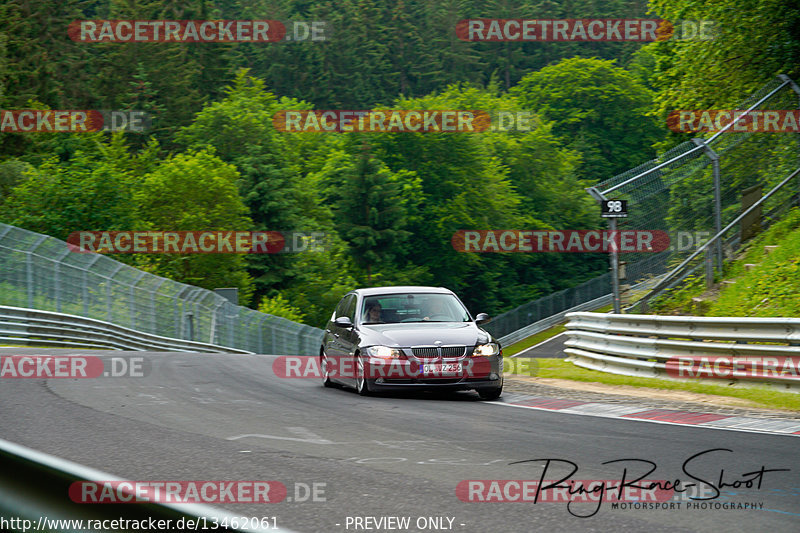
(389, 203)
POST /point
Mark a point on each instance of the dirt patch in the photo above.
(627, 390)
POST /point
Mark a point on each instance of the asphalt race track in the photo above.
(228, 417)
(552, 347)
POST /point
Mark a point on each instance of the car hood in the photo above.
(425, 334)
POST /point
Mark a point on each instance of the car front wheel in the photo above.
(490, 394)
(362, 382)
(324, 368)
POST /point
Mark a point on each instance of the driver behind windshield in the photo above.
(437, 311)
(373, 313)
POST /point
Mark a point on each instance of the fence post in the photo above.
(132, 301)
(709, 264)
(260, 334)
(714, 157)
(29, 268)
(110, 278)
(153, 312)
(796, 89)
(29, 278)
(612, 229)
(190, 325)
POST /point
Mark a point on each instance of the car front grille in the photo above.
(431, 352)
(425, 353)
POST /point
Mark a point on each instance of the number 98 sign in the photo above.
(614, 208)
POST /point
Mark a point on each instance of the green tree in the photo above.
(195, 191)
(370, 207)
(280, 306)
(597, 109)
(89, 191)
(278, 197)
(753, 41)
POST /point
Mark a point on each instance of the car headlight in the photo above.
(384, 352)
(491, 348)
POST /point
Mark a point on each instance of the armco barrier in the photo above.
(44, 328)
(34, 487)
(40, 272)
(641, 345)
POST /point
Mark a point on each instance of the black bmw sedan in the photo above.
(390, 338)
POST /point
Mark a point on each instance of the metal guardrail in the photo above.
(19, 325)
(652, 345)
(34, 487)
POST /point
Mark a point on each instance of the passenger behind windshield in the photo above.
(437, 311)
(373, 315)
(390, 309)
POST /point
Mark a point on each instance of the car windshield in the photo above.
(412, 307)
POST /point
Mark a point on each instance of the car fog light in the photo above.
(379, 381)
(493, 376)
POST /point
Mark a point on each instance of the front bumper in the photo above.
(478, 373)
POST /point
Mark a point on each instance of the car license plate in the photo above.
(442, 368)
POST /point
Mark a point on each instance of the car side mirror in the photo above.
(343, 322)
(482, 318)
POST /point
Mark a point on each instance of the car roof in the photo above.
(372, 291)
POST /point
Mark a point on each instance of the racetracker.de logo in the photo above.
(560, 491)
(177, 31)
(591, 30)
(72, 121)
(625, 241)
(544, 30)
(195, 242)
(297, 367)
(177, 491)
(714, 120)
(72, 366)
(382, 121)
(733, 367)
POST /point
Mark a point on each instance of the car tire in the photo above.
(488, 395)
(363, 386)
(323, 367)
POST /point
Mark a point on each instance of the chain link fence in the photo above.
(552, 304)
(697, 188)
(40, 272)
(690, 191)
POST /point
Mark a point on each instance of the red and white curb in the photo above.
(782, 426)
